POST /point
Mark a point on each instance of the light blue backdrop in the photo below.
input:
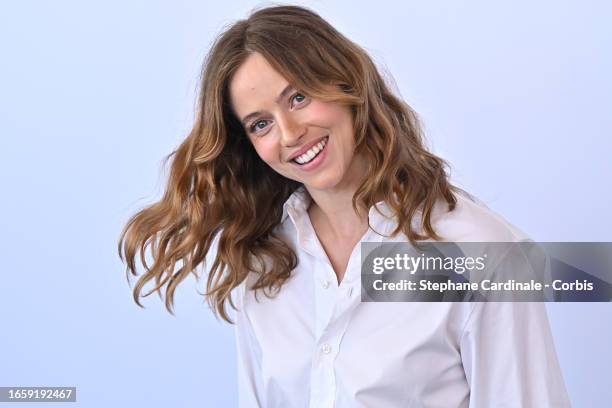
(515, 94)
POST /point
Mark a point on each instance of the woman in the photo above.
(299, 153)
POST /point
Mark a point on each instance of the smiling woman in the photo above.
(300, 153)
(292, 132)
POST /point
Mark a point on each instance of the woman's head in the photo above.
(232, 174)
(252, 63)
(287, 126)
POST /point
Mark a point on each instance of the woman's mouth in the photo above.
(313, 157)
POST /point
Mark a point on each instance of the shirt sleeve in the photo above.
(250, 388)
(509, 357)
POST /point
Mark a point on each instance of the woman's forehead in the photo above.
(255, 85)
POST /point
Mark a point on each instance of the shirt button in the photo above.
(326, 348)
(325, 284)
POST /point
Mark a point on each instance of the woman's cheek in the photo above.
(267, 151)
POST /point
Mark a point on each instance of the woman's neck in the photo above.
(334, 207)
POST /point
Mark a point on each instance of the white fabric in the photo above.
(316, 345)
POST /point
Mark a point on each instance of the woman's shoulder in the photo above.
(472, 220)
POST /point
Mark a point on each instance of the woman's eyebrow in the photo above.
(282, 95)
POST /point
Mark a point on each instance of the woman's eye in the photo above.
(255, 126)
(298, 95)
(262, 123)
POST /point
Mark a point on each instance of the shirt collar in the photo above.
(299, 201)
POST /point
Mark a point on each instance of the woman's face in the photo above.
(283, 124)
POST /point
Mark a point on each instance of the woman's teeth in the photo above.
(312, 153)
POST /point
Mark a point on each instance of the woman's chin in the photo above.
(324, 182)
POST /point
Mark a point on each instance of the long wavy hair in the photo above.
(218, 185)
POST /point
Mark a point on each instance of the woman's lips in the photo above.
(307, 148)
(316, 161)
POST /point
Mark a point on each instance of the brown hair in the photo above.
(219, 185)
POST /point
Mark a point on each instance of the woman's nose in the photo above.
(291, 129)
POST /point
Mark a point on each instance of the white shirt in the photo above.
(316, 345)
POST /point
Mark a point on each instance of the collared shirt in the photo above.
(317, 345)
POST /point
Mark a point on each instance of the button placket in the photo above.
(326, 293)
(323, 381)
